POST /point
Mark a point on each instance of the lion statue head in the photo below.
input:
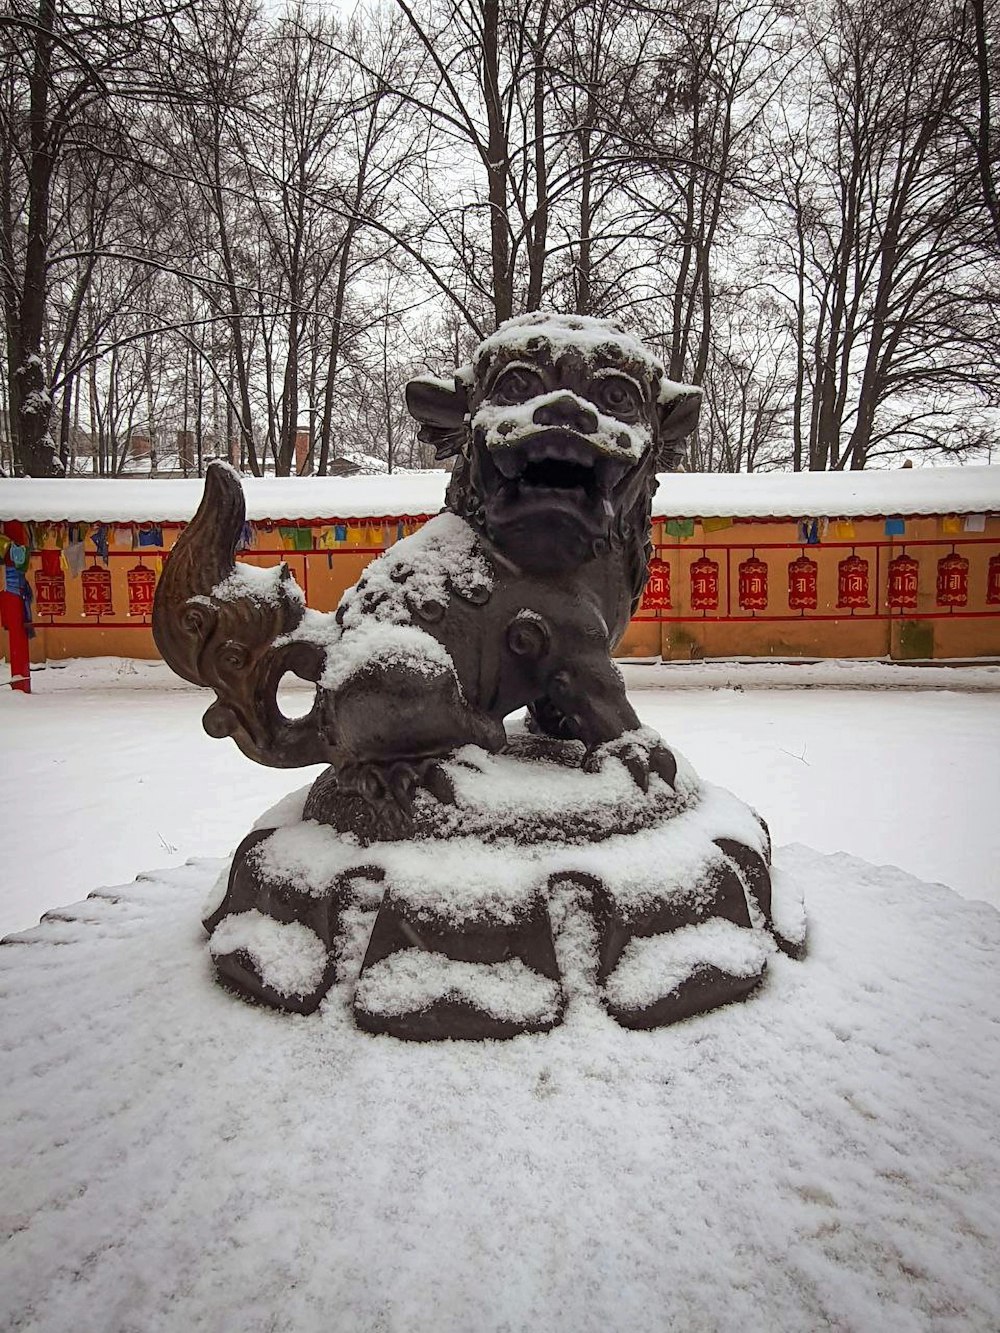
(558, 428)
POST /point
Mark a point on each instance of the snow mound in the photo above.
(290, 957)
(824, 1155)
(415, 979)
(261, 586)
(788, 908)
(652, 968)
(577, 333)
(513, 827)
(420, 572)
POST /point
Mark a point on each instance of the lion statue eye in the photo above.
(516, 385)
(618, 396)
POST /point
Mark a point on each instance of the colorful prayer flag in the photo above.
(74, 558)
(680, 527)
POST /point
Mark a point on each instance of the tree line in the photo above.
(226, 229)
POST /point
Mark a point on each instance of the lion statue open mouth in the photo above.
(513, 597)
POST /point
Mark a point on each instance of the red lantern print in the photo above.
(141, 587)
(852, 583)
(705, 585)
(753, 584)
(97, 591)
(993, 581)
(50, 586)
(903, 573)
(50, 594)
(803, 575)
(656, 596)
(953, 580)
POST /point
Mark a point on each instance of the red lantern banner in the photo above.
(656, 596)
(50, 594)
(803, 583)
(953, 580)
(705, 585)
(50, 586)
(753, 584)
(993, 581)
(902, 591)
(852, 583)
(97, 592)
(141, 588)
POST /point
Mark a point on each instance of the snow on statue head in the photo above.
(559, 427)
(473, 843)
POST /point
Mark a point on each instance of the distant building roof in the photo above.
(911, 491)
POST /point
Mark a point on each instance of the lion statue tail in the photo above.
(230, 626)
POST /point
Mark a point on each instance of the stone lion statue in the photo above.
(512, 598)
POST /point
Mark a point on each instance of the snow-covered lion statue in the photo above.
(488, 871)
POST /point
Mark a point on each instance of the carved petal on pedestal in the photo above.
(424, 979)
(283, 964)
(661, 979)
(788, 921)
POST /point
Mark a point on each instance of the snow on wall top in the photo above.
(909, 491)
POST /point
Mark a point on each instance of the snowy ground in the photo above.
(107, 771)
(824, 1156)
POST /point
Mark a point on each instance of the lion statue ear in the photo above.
(678, 419)
(439, 407)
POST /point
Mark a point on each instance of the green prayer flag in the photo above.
(680, 527)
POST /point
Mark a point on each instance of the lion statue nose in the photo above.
(566, 411)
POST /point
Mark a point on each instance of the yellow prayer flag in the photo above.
(951, 524)
(716, 524)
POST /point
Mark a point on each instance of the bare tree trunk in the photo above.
(30, 400)
(538, 235)
(985, 152)
(496, 165)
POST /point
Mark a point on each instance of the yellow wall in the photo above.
(677, 633)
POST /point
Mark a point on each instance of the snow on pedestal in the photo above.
(823, 1155)
(674, 878)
